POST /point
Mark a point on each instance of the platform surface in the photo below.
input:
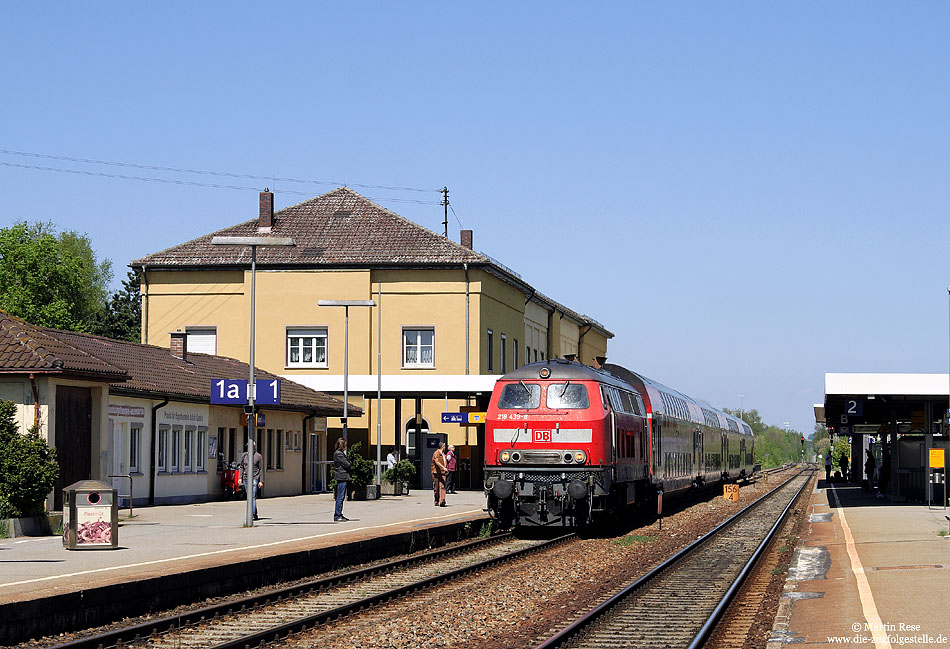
(867, 572)
(165, 539)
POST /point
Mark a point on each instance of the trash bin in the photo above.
(90, 516)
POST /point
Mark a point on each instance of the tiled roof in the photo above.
(339, 228)
(141, 370)
(25, 347)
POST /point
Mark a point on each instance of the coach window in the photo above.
(520, 396)
(567, 395)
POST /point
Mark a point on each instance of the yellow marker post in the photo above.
(731, 492)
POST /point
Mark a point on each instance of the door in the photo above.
(73, 438)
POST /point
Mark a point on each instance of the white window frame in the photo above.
(201, 451)
(135, 447)
(175, 459)
(312, 333)
(163, 430)
(188, 456)
(419, 347)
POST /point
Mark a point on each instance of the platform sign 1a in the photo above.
(229, 391)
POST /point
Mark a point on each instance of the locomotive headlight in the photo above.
(568, 458)
(580, 457)
(505, 456)
(516, 457)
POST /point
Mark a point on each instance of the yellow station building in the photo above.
(447, 321)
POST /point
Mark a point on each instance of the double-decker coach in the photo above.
(567, 443)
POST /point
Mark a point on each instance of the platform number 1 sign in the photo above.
(731, 492)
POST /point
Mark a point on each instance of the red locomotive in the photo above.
(566, 444)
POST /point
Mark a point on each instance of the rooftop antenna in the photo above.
(445, 204)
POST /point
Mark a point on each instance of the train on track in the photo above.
(567, 444)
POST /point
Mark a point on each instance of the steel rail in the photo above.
(723, 605)
(275, 633)
(164, 624)
(566, 634)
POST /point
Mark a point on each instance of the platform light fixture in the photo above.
(346, 304)
(253, 242)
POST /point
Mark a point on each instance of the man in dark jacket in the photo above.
(256, 483)
(341, 472)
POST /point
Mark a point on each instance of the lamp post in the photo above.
(346, 304)
(253, 242)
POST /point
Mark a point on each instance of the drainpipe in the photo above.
(152, 469)
(144, 306)
(36, 403)
(580, 337)
(465, 267)
(305, 435)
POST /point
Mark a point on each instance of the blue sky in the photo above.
(748, 195)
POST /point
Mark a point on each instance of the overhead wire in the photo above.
(210, 173)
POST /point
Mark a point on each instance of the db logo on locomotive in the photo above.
(540, 436)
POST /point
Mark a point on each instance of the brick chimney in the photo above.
(466, 239)
(266, 219)
(179, 345)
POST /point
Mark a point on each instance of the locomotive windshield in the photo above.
(567, 395)
(520, 396)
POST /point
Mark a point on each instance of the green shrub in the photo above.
(361, 469)
(28, 468)
(403, 471)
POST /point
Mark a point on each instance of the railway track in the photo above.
(678, 603)
(272, 615)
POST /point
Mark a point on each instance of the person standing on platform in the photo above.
(391, 459)
(253, 486)
(869, 470)
(341, 471)
(438, 475)
(844, 467)
(884, 475)
(828, 466)
(450, 463)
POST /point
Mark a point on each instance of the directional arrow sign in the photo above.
(454, 417)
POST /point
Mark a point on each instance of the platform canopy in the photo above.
(876, 403)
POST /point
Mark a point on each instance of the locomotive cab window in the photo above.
(567, 395)
(520, 396)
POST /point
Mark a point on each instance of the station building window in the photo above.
(175, 449)
(491, 352)
(504, 345)
(203, 340)
(163, 448)
(306, 346)
(135, 446)
(189, 448)
(418, 347)
(201, 452)
(514, 355)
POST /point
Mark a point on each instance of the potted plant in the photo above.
(399, 476)
(361, 485)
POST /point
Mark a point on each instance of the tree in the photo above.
(773, 445)
(50, 279)
(122, 316)
(28, 467)
(820, 440)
